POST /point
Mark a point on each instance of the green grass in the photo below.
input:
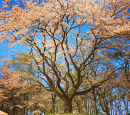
(70, 114)
(74, 114)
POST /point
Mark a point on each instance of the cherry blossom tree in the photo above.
(13, 86)
(20, 88)
(67, 38)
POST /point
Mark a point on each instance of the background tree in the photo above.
(21, 90)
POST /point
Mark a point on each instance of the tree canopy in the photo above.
(75, 45)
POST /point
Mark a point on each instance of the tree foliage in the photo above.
(71, 42)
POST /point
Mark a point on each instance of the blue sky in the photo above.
(1, 45)
(4, 50)
(3, 53)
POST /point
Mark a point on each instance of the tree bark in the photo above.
(68, 106)
(24, 111)
(86, 109)
(94, 102)
(53, 102)
(95, 107)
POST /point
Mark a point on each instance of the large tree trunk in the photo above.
(67, 106)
